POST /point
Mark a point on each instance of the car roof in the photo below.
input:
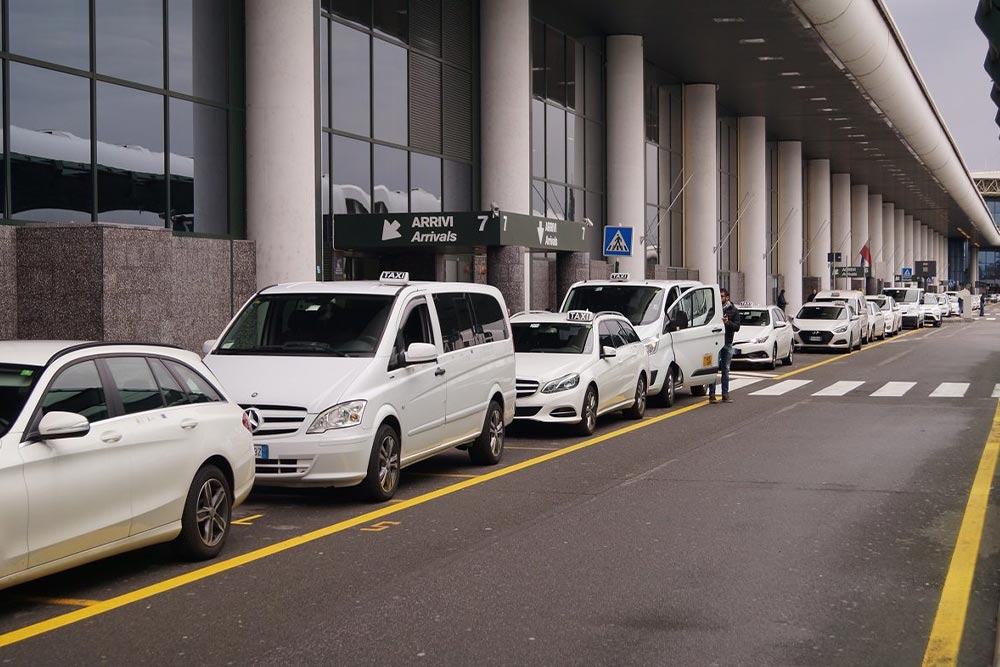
(546, 316)
(372, 287)
(42, 352)
(637, 283)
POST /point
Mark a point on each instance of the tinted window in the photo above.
(456, 320)
(199, 390)
(489, 317)
(78, 389)
(129, 39)
(390, 92)
(416, 329)
(822, 313)
(608, 337)
(694, 309)
(552, 337)
(628, 334)
(754, 318)
(902, 295)
(198, 136)
(350, 67)
(198, 31)
(639, 303)
(136, 386)
(16, 383)
(171, 390)
(52, 30)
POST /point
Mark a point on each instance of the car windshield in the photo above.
(754, 318)
(641, 304)
(822, 313)
(902, 295)
(338, 325)
(16, 382)
(930, 299)
(882, 303)
(552, 337)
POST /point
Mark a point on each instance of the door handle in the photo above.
(188, 424)
(439, 372)
(716, 330)
(111, 437)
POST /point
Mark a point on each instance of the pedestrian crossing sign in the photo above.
(617, 241)
(906, 273)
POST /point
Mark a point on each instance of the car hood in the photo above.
(545, 367)
(819, 325)
(748, 333)
(314, 383)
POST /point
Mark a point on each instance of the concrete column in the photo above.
(752, 194)
(281, 139)
(888, 249)
(907, 242)
(626, 144)
(840, 217)
(875, 232)
(790, 215)
(973, 266)
(818, 221)
(919, 241)
(859, 222)
(701, 171)
(505, 134)
(899, 234)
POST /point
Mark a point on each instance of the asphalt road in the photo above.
(784, 529)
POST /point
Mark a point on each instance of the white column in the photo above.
(899, 232)
(859, 222)
(875, 232)
(818, 222)
(973, 266)
(281, 139)
(908, 242)
(752, 194)
(919, 241)
(790, 215)
(888, 249)
(840, 215)
(625, 145)
(701, 167)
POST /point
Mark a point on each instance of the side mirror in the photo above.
(855, 318)
(420, 353)
(57, 425)
(780, 325)
(208, 346)
(608, 352)
(669, 325)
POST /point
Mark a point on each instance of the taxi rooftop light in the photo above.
(619, 276)
(580, 316)
(394, 278)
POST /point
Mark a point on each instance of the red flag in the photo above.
(866, 255)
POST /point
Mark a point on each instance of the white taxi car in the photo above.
(765, 336)
(832, 325)
(106, 448)
(876, 320)
(909, 300)
(573, 367)
(931, 309)
(892, 314)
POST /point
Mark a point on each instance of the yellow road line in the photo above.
(247, 520)
(534, 449)
(442, 474)
(219, 567)
(870, 346)
(949, 622)
(64, 602)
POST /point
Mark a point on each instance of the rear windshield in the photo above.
(338, 325)
(16, 383)
(754, 318)
(822, 313)
(552, 337)
(641, 304)
(902, 295)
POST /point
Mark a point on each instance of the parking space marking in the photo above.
(780, 388)
(950, 390)
(839, 388)
(247, 520)
(946, 633)
(218, 567)
(380, 526)
(62, 602)
(894, 389)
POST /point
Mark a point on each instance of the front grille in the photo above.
(278, 419)
(527, 411)
(809, 336)
(526, 387)
(283, 466)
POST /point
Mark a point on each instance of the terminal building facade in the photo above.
(164, 158)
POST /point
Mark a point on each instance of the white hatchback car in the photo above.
(931, 309)
(573, 367)
(106, 448)
(765, 336)
(827, 326)
(876, 320)
(891, 313)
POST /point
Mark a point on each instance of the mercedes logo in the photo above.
(255, 418)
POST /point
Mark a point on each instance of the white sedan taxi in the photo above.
(573, 367)
(828, 326)
(891, 313)
(765, 336)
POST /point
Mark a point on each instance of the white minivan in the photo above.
(346, 383)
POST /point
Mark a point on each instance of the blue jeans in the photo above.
(725, 358)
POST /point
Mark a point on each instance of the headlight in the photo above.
(342, 415)
(565, 383)
(651, 345)
(842, 329)
(757, 341)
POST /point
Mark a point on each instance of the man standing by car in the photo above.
(731, 321)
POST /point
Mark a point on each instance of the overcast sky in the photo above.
(949, 50)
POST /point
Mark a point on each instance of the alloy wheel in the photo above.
(212, 511)
(388, 463)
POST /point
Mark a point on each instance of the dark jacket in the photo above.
(733, 325)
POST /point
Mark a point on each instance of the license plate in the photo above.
(260, 452)
(706, 360)
(815, 339)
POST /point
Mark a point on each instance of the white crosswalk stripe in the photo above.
(781, 388)
(839, 388)
(996, 392)
(950, 390)
(894, 389)
(740, 382)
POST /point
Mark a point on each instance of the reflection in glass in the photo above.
(457, 186)
(538, 138)
(390, 82)
(595, 209)
(129, 39)
(49, 145)
(324, 73)
(594, 88)
(555, 143)
(358, 11)
(392, 18)
(391, 187)
(538, 198)
(197, 41)
(574, 149)
(595, 156)
(199, 168)
(425, 183)
(652, 174)
(130, 183)
(555, 66)
(538, 58)
(555, 202)
(351, 176)
(349, 71)
(574, 204)
(53, 30)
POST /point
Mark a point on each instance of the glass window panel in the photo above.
(197, 47)
(129, 39)
(324, 142)
(538, 198)
(574, 205)
(324, 73)
(651, 226)
(390, 92)
(555, 201)
(538, 138)
(358, 11)
(130, 169)
(425, 183)
(199, 168)
(49, 145)
(78, 389)
(652, 174)
(595, 156)
(392, 18)
(457, 186)
(54, 30)
(351, 176)
(198, 388)
(594, 89)
(595, 210)
(135, 383)
(555, 66)
(555, 143)
(172, 392)
(350, 80)
(574, 149)
(391, 187)
(538, 58)
(574, 70)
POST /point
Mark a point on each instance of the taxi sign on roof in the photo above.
(619, 276)
(580, 316)
(394, 277)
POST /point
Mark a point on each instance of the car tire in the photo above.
(668, 395)
(382, 480)
(638, 409)
(588, 412)
(770, 365)
(787, 361)
(937, 323)
(207, 515)
(859, 343)
(487, 449)
(699, 390)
